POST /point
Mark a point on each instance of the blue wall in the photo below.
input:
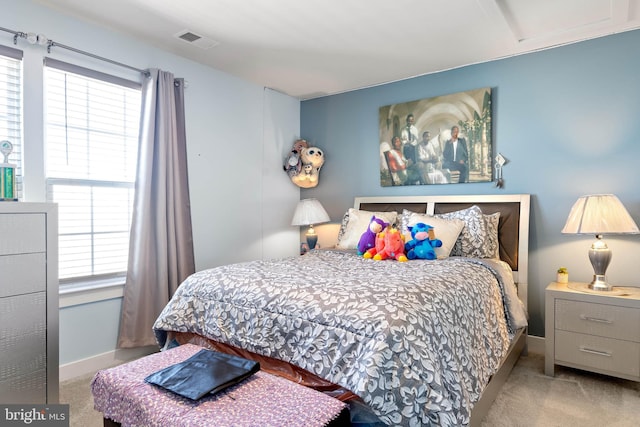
(567, 119)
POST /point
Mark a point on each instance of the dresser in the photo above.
(28, 303)
(598, 332)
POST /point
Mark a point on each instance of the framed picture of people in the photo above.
(441, 140)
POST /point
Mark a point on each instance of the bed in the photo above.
(423, 342)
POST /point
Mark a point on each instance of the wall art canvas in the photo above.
(441, 140)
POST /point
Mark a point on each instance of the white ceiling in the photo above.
(313, 48)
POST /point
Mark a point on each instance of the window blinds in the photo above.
(92, 122)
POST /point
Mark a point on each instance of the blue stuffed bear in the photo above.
(422, 243)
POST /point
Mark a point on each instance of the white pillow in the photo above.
(446, 230)
(355, 222)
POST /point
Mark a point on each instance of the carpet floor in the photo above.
(571, 398)
(528, 399)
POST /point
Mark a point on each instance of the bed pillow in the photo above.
(355, 222)
(473, 239)
(492, 244)
(446, 230)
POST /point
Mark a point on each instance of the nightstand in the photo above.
(596, 332)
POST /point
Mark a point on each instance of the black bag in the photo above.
(205, 372)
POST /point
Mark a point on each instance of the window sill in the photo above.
(85, 293)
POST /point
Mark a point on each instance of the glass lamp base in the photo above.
(312, 240)
(600, 257)
(600, 284)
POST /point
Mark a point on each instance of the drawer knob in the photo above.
(592, 351)
(595, 319)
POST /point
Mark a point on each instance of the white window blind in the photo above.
(11, 108)
(91, 137)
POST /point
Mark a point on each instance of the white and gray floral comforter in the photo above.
(418, 340)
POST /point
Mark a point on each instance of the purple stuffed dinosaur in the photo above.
(368, 238)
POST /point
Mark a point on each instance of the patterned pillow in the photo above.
(355, 222)
(473, 238)
(446, 230)
(492, 244)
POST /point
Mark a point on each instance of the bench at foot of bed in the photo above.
(124, 398)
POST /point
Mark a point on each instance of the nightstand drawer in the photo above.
(615, 356)
(598, 319)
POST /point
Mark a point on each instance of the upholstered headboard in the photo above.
(513, 227)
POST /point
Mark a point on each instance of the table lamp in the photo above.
(309, 212)
(599, 214)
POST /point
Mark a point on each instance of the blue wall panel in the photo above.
(567, 119)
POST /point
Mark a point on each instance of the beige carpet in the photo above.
(77, 393)
(529, 398)
(571, 398)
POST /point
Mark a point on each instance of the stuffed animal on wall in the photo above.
(312, 160)
(422, 243)
(389, 244)
(368, 238)
(293, 162)
(307, 178)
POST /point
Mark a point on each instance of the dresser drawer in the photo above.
(23, 274)
(22, 319)
(614, 356)
(598, 319)
(22, 233)
(23, 349)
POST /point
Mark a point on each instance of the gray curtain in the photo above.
(161, 242)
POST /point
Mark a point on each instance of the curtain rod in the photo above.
(43, 40)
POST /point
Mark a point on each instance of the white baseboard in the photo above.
(93, 364)
(535, 344)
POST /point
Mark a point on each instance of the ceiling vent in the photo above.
(196, 40)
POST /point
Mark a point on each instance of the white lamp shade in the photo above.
(599, 214)
(308, 212)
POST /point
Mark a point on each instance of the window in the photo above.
(91, 128)
(11, 108)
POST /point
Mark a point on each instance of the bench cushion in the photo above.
(122, 395)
